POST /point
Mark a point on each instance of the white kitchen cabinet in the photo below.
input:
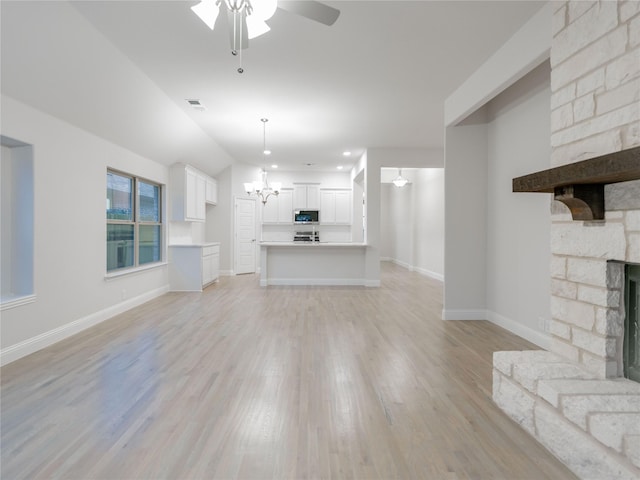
(211, 190)
(335, 206)
(279, 210)
(190, 190)
(306, 196)
(191, 267)
(210, 264)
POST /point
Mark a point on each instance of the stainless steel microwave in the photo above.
(306, 217)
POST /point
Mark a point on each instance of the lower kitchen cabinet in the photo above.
(192, 267)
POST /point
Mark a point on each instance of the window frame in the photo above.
(136, 222)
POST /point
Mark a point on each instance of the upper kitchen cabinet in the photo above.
(306, 196)
(188, 193)
(279, 209)
(335, 206)
(211, 190)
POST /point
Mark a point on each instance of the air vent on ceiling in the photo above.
(195, 103)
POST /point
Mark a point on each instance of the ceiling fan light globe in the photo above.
(256, 27)
(208, 12)
(276, 187)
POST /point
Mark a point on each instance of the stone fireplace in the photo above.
(573, 398)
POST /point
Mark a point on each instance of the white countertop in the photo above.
(312, 244)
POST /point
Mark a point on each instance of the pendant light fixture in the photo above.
(261, 188)
(400, 181)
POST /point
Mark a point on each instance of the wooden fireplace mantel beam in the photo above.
(580, 185)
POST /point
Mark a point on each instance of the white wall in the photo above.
(465, 181)
(70, 232)
(496, 252)
(518, 225)
(387, 247)
(428, 256)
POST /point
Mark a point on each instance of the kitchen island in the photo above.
(313, 263)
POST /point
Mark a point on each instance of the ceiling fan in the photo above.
(247, 18)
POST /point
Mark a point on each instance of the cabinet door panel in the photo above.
(327, 207)
(207, 269)
(343, 207)
(285, 207)
(201, 186)
(211, 191)
(313, 197)
(191, 200)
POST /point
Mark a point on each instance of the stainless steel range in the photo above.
(312, 236)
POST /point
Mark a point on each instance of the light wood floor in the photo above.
(278, 382)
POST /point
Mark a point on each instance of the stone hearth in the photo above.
(591, 424)
(573, 399)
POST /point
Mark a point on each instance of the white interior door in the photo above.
(245, 227)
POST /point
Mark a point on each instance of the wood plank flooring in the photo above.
(244, 382)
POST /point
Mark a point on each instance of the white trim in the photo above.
(131, 271)
(428, 273)
(534, 336)
(539, 338)
(17, 301)
(422, 271)
(402, 264)
(321, 282)
(464, 314)
(27, 347)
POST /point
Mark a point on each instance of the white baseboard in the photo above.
(429, 273)
(541, 339)
(402, 264)
(411, 268)
(464, 314)
(318, 282)
(31, 345)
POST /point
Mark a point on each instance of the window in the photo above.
(134, 221)
(16, 223)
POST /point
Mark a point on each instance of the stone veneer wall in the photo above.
(595, 109)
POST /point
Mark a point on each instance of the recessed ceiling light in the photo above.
(267, 152)
(346, 153)
(274, 166)
(340, 167)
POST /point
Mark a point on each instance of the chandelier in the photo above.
(261, 188)
(400, 181)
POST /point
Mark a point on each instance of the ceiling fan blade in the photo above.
(238, 35)
(311, 9)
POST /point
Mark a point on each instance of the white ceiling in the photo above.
(377, 78)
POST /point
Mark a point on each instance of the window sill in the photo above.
(133, 271)
(16, 301)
